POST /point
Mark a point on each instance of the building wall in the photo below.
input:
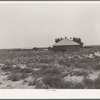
(66, 48)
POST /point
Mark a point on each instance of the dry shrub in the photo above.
(8, 63)
(73, 85)
(92, 84)
(7, 68)
(55, 70)
(24, 75)
(64, 62)
(78, 85)
(27, 70)
(31, 65)
(81, 65)
(0, 83)
(80, 73)
(14, 77)
(17, 76)
(53, 81)
(97, 83)
(40, 84)
(47, 71)
(89, 83)
(18, 73)
(66, 85)
(58, 83)
(97, 67)
(43, 65)
(31, 82)
(16, 70)
(65, 74)
(46, 60)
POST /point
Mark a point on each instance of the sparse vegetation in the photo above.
(89, 83)
(53, 81)
(31, 82)
(50, 69)
(97, 67)
(6, 68)
(80, 73)
(14, 77)
(63, 62)
(78, 85)
(97, 83)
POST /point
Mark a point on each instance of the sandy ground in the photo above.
(94, 75)
(74, 78)
(79, 79)
(8, 84)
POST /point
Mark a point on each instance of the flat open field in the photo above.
(28, 69)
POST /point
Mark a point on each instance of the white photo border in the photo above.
(50, 93)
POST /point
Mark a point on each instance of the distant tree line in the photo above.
(59, 39)
(35, 49)
(78, 40)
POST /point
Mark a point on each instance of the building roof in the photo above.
(65, 42)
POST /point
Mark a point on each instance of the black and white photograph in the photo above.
(49, 45)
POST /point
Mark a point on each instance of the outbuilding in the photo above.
(66, 45)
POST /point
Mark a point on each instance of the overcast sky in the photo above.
(38, 24)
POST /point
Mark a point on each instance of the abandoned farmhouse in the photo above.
(66, 44)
